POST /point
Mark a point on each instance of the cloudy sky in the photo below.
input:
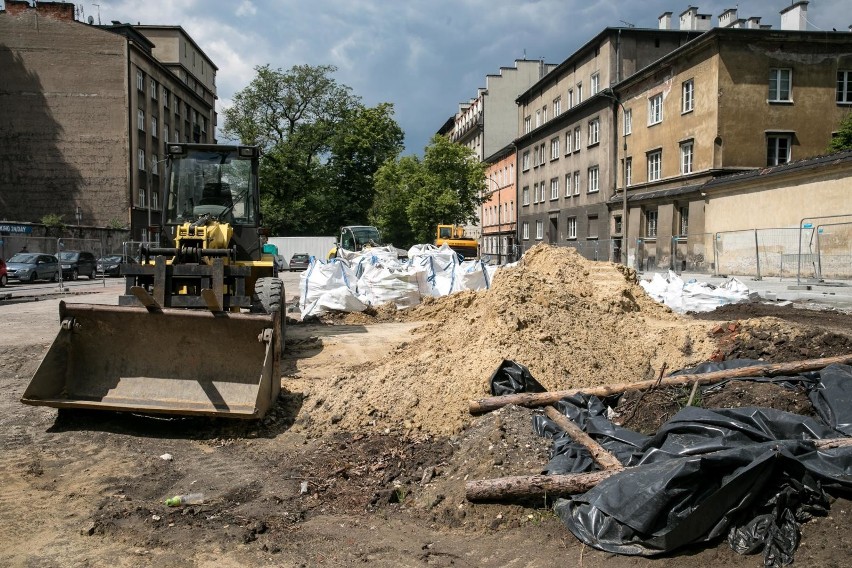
(424, 56)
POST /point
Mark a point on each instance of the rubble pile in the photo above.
(573, 322)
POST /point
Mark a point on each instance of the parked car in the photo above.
(32, 266)
(111, 265)
(4, 278)
(77, 263)
(300, 261)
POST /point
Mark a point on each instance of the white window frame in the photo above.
(579, 93)
(525, 230)
(140, 119)
(165, 97)
(683, 222)
(776, 82)
(155, 198)
(525, 161)
(554, 188)
(525, 195)
(651, 219)
(154, 165)
(628, 121)
(595, 85)
(687, 157)
(655, 165)
(594, 180)
(527, 124)
(544, 114)
(570, 98)
(154, 128)
(655, 109)
(577, 182)
(554, 148)
(140, 80)
(844, 87)
(557, 106)
(142, 198)
(628, 173)
(539, 229)
(536, 157)
(140, 159)
(154, 88)
(571, 227)
(568, 178)
(594, 131)
(687, 96)
(774, 148)
(568, 142)
(577, 139)
(537, 118)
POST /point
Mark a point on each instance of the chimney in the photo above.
(691, 20)
(15, 7)
(58, 10)
(665, 21)
(728, 18)
(794, 18)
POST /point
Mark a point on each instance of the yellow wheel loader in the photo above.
(454, 236)
(200, 329)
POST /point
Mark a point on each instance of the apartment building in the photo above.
(88, 110)
(499, 213)
(566, 148)
(738, 98)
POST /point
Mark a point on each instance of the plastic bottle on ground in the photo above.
(190, 499)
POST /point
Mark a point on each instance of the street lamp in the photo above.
(610, 94)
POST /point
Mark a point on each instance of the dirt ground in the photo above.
(364, 458)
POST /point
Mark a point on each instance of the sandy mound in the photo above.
(573, 322)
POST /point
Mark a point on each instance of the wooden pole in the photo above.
(539, 486)
(484, 405)
(605, 459)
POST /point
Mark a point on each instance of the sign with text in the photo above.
(15, 229)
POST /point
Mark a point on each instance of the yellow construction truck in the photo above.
(200, 328)
(454, 237)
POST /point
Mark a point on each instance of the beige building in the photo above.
(566, 150)
(87, 111)
(736, 99)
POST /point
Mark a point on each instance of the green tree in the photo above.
(843, 139)
(321, 147)
(413, 196)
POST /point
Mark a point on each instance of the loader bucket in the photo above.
(172, 361)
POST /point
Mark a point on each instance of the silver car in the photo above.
(32, 266)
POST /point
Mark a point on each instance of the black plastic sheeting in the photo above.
(749, 474)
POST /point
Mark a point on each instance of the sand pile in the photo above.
(573, 322)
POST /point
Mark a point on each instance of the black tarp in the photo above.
(751, 474)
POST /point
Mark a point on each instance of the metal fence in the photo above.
(601, 249)
(693, 253)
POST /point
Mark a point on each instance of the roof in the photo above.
(798, 165)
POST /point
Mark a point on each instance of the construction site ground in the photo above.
(364, 458)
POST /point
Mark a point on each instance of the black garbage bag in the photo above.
(512, 378)
(832, 397)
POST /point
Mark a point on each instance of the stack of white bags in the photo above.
(358, 280)
(694, 296)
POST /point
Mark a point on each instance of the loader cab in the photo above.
(218, 183)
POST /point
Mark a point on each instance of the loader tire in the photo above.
(268, 298)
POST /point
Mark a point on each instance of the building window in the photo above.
(570, 98)
(554, 188)
(594, 131)
(557, 106)
(686, 150)
(165, 97)
(165, 133)
(140, 80)
(544, 115)
(687, 96)
(577, 183)
(651, 223)
(655, 109)
(554, 149)
(140, 119)
(567, 185)
(539, 230)
(777, 149)
(628, 171)
(595, 84)
(525, 161)
(154, 89)
(568, 144)
(537, 118)
(536, 198)
(142, 200)
(780, 81)
(154, 129)
(140, 159)
(684, 220)
(592, 227)
(155, 165)
(617, 222)
(535, 157)
(579, 93)
(155, 199)
(594, 180)
(577, 141)
(655, 165)
(628, 121)
(525, 230)
(572, 227)
(525, 195)
(844, 87)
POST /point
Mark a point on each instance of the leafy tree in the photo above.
(413, 196)
(321, 147)
(843, 139)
